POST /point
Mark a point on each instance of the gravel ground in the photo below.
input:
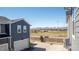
(48, 47)
(39, 46)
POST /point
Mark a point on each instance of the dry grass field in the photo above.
(54, 36)
(51, 34)
(54, 42)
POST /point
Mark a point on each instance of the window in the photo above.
(24, 29)
(18, 28)
(2, 29)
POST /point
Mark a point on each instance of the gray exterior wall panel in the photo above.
(19, 36)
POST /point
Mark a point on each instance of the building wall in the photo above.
(19, 38)
(76, 30)
(5, 28)
(4, 47)
(69, 27)
(21, 44)
(4, 44)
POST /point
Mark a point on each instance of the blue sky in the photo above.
(37, 17)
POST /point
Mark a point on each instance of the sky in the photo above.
(37, 16)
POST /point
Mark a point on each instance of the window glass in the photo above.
(24, 29)
(2, 29)
(18, 28)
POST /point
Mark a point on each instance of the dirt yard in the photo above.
(40, 46)
(54, 41)
(54, 36)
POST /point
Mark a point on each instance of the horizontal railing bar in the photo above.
(5, 37)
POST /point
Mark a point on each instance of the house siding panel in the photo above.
(76, 30)
(2, 41)
(4, 44)
(19, 36)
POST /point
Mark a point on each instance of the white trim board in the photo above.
(5, 37)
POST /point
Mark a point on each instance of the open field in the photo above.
(53, 42)
(50, 34)
(54, 36)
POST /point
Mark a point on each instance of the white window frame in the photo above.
(19, 28)
(24, 29)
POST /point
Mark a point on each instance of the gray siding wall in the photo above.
(2, 28)
(19, 36)
(3, 41)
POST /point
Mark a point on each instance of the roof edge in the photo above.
(19, 20)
